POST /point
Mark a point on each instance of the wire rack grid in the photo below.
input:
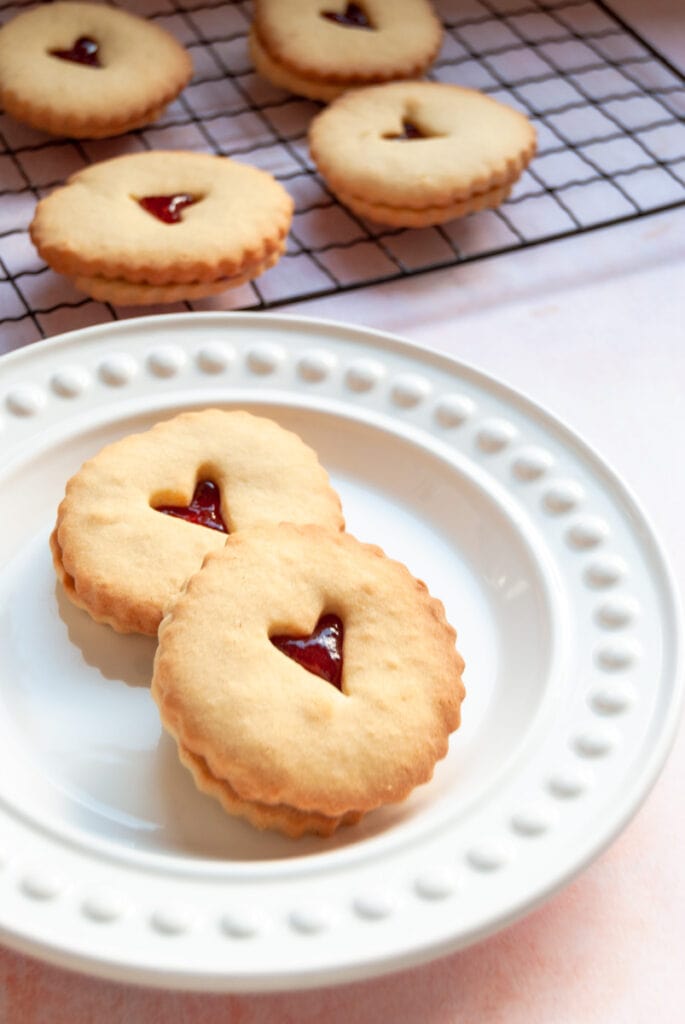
(608, 109)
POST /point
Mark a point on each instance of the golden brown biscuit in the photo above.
(163, 226)
(296, 748)
(87, 70)
(319, 49)
(419, 153)
(128, 293)
(123, 546)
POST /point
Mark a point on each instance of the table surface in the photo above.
(593, 328)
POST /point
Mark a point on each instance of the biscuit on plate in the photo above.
(139, 517)
(87, 70)
(328, 689)
(320, 48)
(411, 154)
(163, 226)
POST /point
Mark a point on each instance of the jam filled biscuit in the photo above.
(320, 48)
(139, 517)
(163, 226)
(328, 689)
(85, 70)
(418, 153)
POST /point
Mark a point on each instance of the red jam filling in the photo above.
(321, 653)
(354, 16)
(168, 209)
(409, 131)
(84, 51)
(204, 509)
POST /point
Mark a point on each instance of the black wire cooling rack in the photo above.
(609, 112)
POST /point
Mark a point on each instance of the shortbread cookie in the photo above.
(126, 293)
(328, 689)
(138, 518)
(86, 70)
(163, 226)
(419, 153)
(319, 49)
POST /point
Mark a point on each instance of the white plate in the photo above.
(113, 863)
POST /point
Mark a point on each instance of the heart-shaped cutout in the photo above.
(168, 209)
(409, 131)
(84, 51)
(204, 508)
(354, 16)
(320, 653)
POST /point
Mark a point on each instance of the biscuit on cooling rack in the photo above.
(139, 517)
(86, 70)
(328, 689)
(163, 226)
(319, 49)
(418, 153)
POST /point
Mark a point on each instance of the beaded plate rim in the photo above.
(356, 920)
